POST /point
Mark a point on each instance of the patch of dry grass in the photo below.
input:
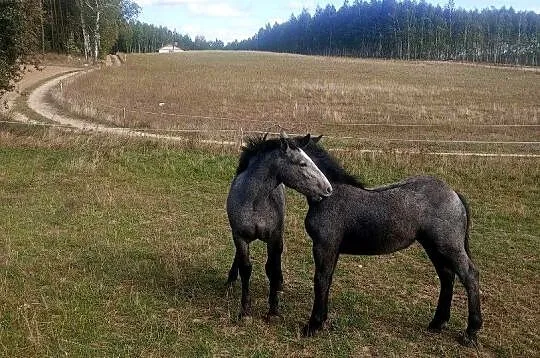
(210, 91)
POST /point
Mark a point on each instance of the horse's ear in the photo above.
(302, 142)
(284, 144)
(284, 140)
(316, 139)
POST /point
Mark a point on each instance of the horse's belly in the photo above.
(384, 240)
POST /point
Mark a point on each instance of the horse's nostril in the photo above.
(329, 190)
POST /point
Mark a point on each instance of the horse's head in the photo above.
(299, 172)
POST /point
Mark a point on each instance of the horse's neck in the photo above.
(257, 181)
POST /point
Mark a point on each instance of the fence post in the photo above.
(124, 116)
(241, 138)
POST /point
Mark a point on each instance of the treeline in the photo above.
(94, 28)
(406, 30)
(142, 37)
(91, 28)
(86, 27)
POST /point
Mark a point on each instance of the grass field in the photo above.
(209, 91)
(121, 247)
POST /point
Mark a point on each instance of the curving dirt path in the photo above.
(38, 102)
(30, 79)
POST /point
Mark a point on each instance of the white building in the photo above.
(170, 49)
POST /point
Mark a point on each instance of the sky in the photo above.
(228, 20)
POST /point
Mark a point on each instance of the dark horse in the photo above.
(256, 205)
(359, 221)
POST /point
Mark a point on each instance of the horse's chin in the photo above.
(317, 198)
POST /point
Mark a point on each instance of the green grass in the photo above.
(112, 247)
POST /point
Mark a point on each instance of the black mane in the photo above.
(331, 168)
(333, 171)
(255, 146)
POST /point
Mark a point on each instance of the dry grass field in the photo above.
(121, 247)
(210, 91)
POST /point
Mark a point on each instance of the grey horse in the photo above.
(359, 221)
(256, 206)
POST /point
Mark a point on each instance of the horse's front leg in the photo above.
(273, 272)
(244, 267)
(233, 273)
(325, 257)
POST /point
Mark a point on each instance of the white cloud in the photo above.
(170, 2)
(298, 5)
(210, 8)
(214, 10)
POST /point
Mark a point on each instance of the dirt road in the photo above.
(37, 101)
(29, 80)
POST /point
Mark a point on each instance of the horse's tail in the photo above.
(468, 215)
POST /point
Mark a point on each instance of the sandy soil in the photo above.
(30, 79)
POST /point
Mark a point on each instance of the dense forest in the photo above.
(95, 28)
(88, 28)
(406, 30)
(378, 28)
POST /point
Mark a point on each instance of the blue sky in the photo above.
(239, 19)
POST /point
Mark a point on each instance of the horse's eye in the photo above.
(303, 164)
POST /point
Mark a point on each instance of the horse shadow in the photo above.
(199, 286)
(176, 280)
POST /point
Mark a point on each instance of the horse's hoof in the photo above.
(469, 340)
(310, 330)
(230, 283)
(245, 317)
(273, 317)
(437, 327)
(307, 331)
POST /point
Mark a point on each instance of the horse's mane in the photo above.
(329, 165)
(254, 146)
(331, 168)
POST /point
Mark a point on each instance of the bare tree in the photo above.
(96, 8)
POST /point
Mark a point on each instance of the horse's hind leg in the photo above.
(273, 272)
(446, 277)
(244, 267)
(442, 313)
(468, 274)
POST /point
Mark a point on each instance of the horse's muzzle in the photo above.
(328, 191)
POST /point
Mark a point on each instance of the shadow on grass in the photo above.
(154, 273)
(384, 318)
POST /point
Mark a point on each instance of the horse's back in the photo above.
(387, 218)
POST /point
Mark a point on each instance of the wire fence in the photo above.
(245, 132)
(125, 110)
(240, 134)
(241, 129)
